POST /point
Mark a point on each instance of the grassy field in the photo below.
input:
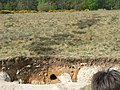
(63, 34)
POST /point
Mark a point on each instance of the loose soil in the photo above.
(46, 69)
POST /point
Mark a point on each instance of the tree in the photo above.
(101, 4)
(46, 5)
(21, 6)
(8, 6)
(1, 6)
(114, 4)
(89, 4)
(27, 5)
(59, 4)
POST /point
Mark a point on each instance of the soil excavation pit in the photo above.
(46, 69)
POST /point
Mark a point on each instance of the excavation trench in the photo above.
(46, 69)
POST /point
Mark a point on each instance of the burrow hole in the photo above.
(53, 77)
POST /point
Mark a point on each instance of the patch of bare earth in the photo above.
(53, 72)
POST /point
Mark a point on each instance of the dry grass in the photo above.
(76, 34)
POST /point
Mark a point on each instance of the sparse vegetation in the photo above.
(75, 34)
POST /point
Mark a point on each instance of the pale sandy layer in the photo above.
(13, 86)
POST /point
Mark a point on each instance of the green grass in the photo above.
(89, 34)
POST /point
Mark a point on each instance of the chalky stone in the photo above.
(4, 76)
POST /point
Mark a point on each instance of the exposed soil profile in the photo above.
(46, 69)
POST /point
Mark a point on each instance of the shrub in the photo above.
(7, 12)
(72, 10)
(46, 7)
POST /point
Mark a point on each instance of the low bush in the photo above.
(6, 12)
(72, 10)
(27, 11)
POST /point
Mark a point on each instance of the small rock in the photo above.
(65, 78)
(83, 64)
(28, 66)
(18, 71)
(20, 81)
(85, 73)
(4, 76)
